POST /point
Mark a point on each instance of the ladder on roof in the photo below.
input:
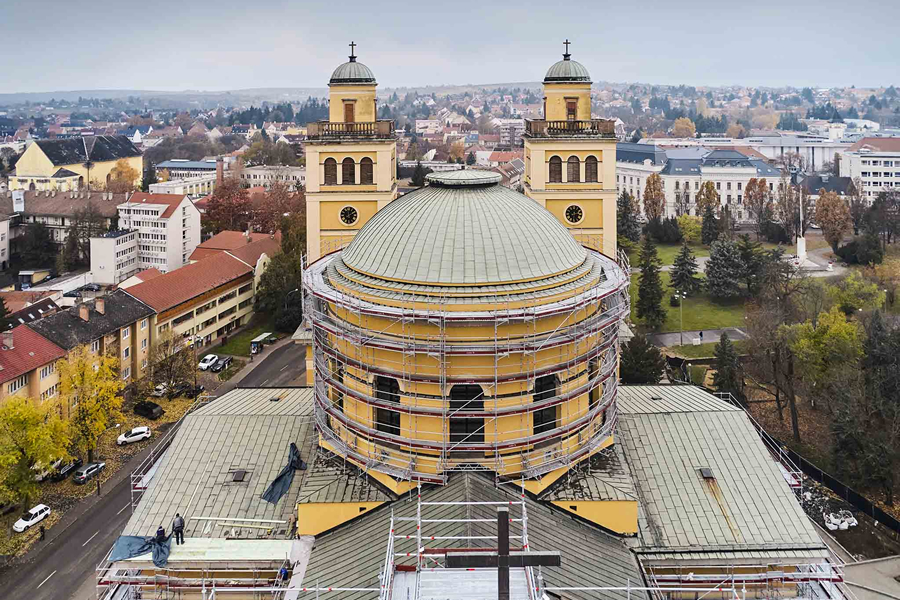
(278, 594)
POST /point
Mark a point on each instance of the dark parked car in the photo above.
(86, 473)
(65, 470)
(221, 364)
(150, 410)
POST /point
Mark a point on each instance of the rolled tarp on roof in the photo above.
(282, 483)
(131, 546)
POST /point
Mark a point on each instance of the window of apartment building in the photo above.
(126, 352)
(126, 372)
(718, 185)
(163, 327)
(126, 332)
(696, 185)
(48, 370)
(95, 346)
(228, 312)
(728, 199)
(677, 185)
(740, 197)
(17, 384)
(50, 392)
(144, 344)
(245, 304)
(728, 186)
(739, 186)
(245, 289)
(144, 364)
(181, 319)
(228, 296)
(144, 324)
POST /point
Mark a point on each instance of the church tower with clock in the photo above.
(351, 161)
(570, 158)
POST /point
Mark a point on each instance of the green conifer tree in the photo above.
(729, 376)
(725, 270)
(710, 230)
(641, 361)
(683, 276)
(650, 291)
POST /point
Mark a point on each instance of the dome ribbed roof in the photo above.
(567, 70)
(463, 229)
(352, 72)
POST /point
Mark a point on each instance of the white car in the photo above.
(32, 517)
(208, 361)
(160, 390)
(42, 474)
(135, 435)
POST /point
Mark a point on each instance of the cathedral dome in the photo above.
(352, 72)
(463, 229)
(567, 70)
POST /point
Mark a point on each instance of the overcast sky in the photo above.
(234, 44)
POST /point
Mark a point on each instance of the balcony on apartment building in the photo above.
(327, 131)
(539, 128)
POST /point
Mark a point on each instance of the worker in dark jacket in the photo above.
(160, 535)
(178, 529)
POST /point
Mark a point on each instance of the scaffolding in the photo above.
(431, 341)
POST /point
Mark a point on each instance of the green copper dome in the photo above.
(567, 70)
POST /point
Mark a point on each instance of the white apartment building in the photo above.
(428, 126)
(202, 185)
(876, 162)
(114, 256)
(685, 170)
(511, 131)
(168, 228)
(294, 177)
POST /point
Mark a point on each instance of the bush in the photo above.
(674, 302)
(690, 228)
(862, 251)
(664, 231)
(774, 233)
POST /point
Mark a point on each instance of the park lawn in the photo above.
(239, 343)
(667, 253)
(700, 311)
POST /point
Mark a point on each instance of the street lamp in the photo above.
(287, 297)
(682, 296)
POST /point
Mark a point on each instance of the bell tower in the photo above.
(570, 158)
(351, 161)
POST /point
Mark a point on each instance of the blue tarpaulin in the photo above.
(129, 546)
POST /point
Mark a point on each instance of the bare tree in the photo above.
(171, 360)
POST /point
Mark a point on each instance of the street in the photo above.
(63, 567)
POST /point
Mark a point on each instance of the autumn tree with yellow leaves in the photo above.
(122, 177)
(90, 383)
(654, 198)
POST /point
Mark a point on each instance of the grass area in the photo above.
(239, 343)
(231, 371)
(667, 253)
(703, 350)
(698, 374)
(700, 311)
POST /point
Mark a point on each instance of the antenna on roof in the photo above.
(566, 54)
(352, 51)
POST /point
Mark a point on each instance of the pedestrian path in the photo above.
(709, 336)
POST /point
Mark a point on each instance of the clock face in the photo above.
(349, 215)
(574, 214)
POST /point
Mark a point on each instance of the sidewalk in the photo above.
(709, 336)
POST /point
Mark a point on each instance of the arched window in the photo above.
(387, 420)
(555, 169)
(545, 388)
(330, 171)
(573, 174)
(590, 169)
(348, 171)
(366, 176)
(462, 429)
(80, 181)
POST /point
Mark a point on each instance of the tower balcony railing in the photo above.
(539, 128)
(326, 130)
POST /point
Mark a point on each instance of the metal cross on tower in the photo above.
(502, 560)
(352, 50)
(567, 42)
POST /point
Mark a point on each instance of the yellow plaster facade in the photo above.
(35, 169)
(618, 516)
(316, 517)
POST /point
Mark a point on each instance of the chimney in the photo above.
(8, 340)
(84, 312)
(220, 170)
(100, 305)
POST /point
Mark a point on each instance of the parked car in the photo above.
(160, 390)
(134, 435)
(43, 473)
(221, 364)
(91, 287)
(150, 410)
(192, 392)
(88, 472)
(208, 361)
(65, 470)
(32, 517)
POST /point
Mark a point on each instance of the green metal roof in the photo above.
(567, 70)
(463, 229)
(352, 72)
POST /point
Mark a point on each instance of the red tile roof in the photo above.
(229, 240)
(252, 252)
(504, 157)
(238, 245)
(30, 350)
(180, 285)
(879, 144)
(16, 301)
(148, 274)
(171, 200)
